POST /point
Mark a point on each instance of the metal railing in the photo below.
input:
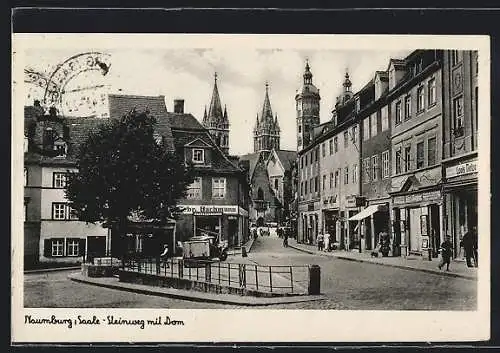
(273, 279)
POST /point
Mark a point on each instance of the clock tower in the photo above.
(307, 106)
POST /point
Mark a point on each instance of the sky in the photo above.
(188, 73)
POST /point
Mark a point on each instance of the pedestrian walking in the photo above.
(321, 242)
(285, 241)
(469, 242)
(326, 241)
(164, 256)
(446, 251)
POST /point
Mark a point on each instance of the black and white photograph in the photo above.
(291, 180)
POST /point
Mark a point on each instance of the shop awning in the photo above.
(367, 212)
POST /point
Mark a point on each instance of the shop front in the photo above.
(416, 222)
(460, 190)
(371, 221)
(309, 222)
(227, 222)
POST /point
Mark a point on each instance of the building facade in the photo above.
(416, 103)
(460, 143)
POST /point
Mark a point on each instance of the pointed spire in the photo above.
(307, 74)
(267, 112)
(225, 112)
(276, 123)
(347, 82)
(256, 127)
(215, 109)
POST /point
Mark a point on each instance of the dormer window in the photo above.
(61, 148)
(198, 155)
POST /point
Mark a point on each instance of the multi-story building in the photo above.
(51, 231)
(416, 101)
(268, 167)
(460, 142)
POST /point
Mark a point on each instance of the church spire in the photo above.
(347, 82)
(276, 123)
(215, 110)
(267, 112)
(307, 74)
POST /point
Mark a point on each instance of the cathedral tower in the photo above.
(267, 130)
(217, 121)
(307, 106)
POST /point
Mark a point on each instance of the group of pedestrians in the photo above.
(468, 242)
(323, 241)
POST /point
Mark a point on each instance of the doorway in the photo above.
(415, 234)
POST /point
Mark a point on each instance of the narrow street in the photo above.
(347, 285)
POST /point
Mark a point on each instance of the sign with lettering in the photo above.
(209, 209)
(350, 201)
(413, 198)
(462, 169)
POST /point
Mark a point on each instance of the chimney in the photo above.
(179, 106)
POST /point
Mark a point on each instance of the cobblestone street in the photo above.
(346, 284)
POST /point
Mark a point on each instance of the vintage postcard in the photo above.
(250, 188)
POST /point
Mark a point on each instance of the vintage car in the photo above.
(204, 247)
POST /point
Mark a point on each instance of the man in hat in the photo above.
(446, 251)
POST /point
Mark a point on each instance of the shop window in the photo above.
(385, 164)
(373, 124)
(366, 169)
(398, 160)
(354, 134)
(374, 167)
(431, 151)
(354, 173)
(366, 129)
(407, 158)
(384, 117)
(194, 190)
(198, 155)
(431, 91)
(72, 247)
(346, 139)
(219, 188)
(420, 155)
(398, 113)
(59, 180)
(420, 99)
(407, 107)
(57, 247)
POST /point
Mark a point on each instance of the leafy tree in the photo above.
(124, 169)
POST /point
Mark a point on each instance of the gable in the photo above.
(198, 142)
(410, 184)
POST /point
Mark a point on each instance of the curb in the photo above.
(52, 269)
(198, 297)
(442, 273)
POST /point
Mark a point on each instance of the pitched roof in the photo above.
(287, 158)
(253, 159)
(184, 121)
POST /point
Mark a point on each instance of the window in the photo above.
(431, 151)
(420, 155)
(385, 164)
(60, 148)
(301, 188)
(375, 167)
(26, 144)
(25, 177)
(59, 180)
(373, 124)
(198, 156)
(331, 180)
(398, 113)
(317, 154)
(57, 247)
(323, 149)
(354, 134)
(219, 188)
(455, 57)
(276, 184)
(346, 138)
(366, 129)
(420, 99)
(194, 190)
(336, 178)
(260, 194)
(384, 117)
(300, 129)
(316, 184)
(302, 162)
(324, 182)
(398, 160)
(431, 99)
(331, 146)
(25, 214)
(358, 104)
(458, 115)
(72, 247)
(366, 167)
(346, 175)
(407, 158)
(407, 107)
(335, 144)
(59, 210)
(355, 174)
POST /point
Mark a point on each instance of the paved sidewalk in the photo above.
(415, 263)
(114, 283)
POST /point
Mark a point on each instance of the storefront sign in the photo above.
(350, 201)
(414, 198)
(462, 169)
(209, 209)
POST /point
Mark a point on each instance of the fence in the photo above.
(273, 279)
